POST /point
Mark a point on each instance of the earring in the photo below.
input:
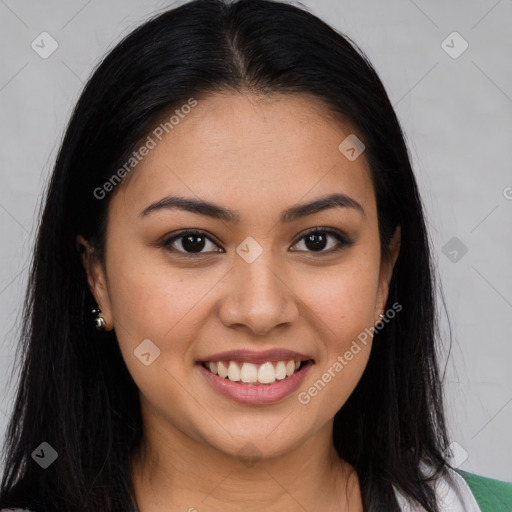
(99, 321)
(381, 317)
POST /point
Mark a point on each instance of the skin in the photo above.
(258, 156)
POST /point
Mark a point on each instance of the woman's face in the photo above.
(252, 281)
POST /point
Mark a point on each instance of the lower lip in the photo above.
(256, 394)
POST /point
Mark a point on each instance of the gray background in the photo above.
(456, 114)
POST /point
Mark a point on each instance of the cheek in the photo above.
(341, 305)
(155, 302)
(342, 300)
(152, 299)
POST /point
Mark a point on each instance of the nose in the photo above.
(258, 297)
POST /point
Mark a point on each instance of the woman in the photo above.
(234, 203)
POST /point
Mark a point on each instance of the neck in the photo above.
(181, 473)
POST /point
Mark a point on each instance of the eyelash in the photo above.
(343, 241)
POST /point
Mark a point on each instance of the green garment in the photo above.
(491, 495)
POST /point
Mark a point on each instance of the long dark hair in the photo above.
(75, 392)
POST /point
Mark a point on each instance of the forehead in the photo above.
(249, 149)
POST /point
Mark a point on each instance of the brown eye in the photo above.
(190, 242)
(317, 240)
(195, 242)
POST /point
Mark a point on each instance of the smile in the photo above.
(249, 373)
(267, 382)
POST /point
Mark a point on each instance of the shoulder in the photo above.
(491, 495)
(460, 491)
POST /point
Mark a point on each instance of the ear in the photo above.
(96, 278)
(386, 272)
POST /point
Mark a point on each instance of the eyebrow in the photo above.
(215, 211)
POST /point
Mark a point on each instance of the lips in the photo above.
(256, 393)
(250, 356)
(255, 377)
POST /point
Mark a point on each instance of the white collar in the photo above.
(453, 493)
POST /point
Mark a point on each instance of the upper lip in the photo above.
(251, 356)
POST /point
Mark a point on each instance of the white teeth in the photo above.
(221, 369)
(280, 370)
(233, 372)
(266, 373)
(250, 373)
